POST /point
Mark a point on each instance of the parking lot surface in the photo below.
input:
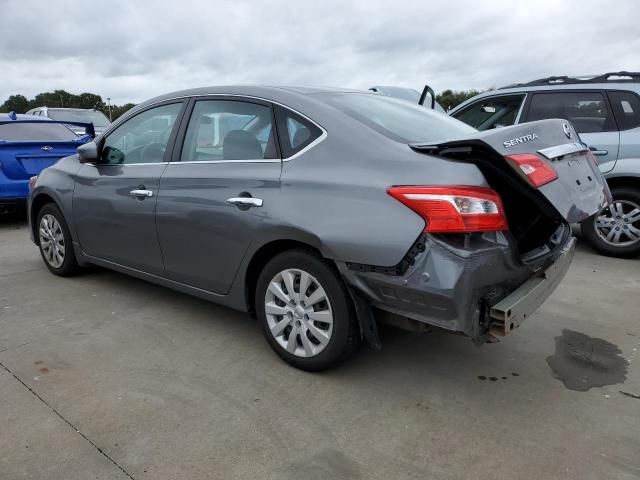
(105, 376)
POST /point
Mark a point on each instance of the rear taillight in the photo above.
(536, 169)
(454, 209)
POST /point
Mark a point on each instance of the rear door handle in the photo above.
(595, 151)
(245, 201)
(141, 193)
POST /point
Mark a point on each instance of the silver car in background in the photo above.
(77, 115)
(605, 111)
(324, 211)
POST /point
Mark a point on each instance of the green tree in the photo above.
(89, 100)
(62, 98)
(15, 103)
(449, 99)
(57, 98)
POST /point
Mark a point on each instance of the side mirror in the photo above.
(88, 153)
(488, 109)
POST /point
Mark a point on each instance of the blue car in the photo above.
(28, 145)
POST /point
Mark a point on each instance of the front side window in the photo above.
(491, 112)
(229, 130)
(587, 111)
(142, 138)
(295, 131)
(626, 108)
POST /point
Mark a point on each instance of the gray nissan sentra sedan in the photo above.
(324, 211)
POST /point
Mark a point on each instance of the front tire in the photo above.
(305, 311)
(615, 230)
(54, 240)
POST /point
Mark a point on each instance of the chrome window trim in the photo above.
(144, 164)
(257, 160)
(251, 97)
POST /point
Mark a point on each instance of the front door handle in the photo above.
(245, 201)
(595, 151)
(141, 193)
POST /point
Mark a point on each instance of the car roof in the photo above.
(4, 117)
(70, 109)
(523, 88)
(268, 92)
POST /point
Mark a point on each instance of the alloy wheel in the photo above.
(619, 223)
(52, 240)
(299, 313)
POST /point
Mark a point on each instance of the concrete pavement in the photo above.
(105, 376)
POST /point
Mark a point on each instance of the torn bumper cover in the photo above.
(475, 286)
(512, 310)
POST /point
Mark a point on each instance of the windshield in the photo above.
(87, 116)
(398, 119)
(36, 132)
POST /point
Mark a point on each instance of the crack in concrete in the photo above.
(14, 347)
(67, 422)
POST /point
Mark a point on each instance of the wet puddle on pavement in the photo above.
(582, 362)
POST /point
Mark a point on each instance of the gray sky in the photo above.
(133, 50)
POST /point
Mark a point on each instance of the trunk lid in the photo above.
(579, 190)
(22, 160)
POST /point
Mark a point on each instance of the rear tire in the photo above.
(311, 324)
(54, 240)
(615, 231)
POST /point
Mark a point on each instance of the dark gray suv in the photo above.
(324, 211)
(605, 110)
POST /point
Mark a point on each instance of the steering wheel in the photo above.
(152, 153)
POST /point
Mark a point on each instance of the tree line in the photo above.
(62, 98)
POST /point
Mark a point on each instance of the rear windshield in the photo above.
(87, 116)
(35, 132)
(398, 119)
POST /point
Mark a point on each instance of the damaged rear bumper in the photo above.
(512, 310)
(474, 285)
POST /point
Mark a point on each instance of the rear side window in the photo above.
(626, 108)
(229, 130)
(587, 111)
(491, 112)
(295, 131)
(36, 132)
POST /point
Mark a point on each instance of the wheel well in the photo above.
(260, 259)
(633, 182)
(37, 204)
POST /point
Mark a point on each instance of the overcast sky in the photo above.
(133, 50)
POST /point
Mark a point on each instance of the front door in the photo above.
(114, 202)
(217, 190)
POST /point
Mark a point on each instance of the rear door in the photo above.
(589, 112)
(114, 202)
(217, 190)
